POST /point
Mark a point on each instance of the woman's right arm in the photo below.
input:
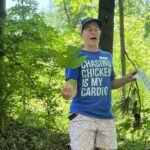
(70, 89)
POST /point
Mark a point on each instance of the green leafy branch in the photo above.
(16, 62)
(70, 58)
(132, 103)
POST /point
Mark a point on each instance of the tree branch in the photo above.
(65, 8)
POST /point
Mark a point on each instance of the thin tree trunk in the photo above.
(2, 16)
(106, 13)
(122, 43)
(2, 12)
(3, 118)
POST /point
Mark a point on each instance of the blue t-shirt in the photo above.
(93, 85)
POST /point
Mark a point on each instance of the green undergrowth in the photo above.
(132, 145)
(21, 137)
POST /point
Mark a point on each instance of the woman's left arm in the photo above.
(117, 83)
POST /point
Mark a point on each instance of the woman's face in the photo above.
(91, 34)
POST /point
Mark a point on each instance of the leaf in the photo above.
(78, 62)
(146, 110)
(133, 91)
(146, 133)
(72, 50)
(124, 105)
(70, 58)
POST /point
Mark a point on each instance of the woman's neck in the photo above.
(91, 48)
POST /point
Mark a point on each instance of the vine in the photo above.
(132, 103)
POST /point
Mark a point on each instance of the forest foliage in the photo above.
(37, 46)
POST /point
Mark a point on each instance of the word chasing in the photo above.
(96, 63)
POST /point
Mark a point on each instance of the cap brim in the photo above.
(98, 21)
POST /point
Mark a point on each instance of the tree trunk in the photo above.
(122, 43)
(2, 16)
(3, 118)
(2, 13)
(106, 13)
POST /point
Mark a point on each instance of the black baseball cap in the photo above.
(87, 20)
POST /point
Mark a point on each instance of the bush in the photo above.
(21, 137)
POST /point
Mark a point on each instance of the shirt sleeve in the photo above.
(72, 73)
(113, 75)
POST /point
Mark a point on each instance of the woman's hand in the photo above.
(130, 76)
(70, 89)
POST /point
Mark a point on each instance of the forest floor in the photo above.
(21, 137)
